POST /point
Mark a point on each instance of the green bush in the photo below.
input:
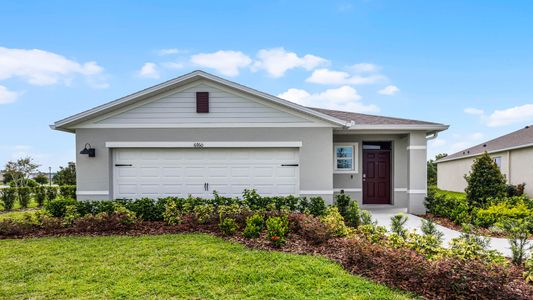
(317, 206)
(254, 226)
(124, 215)
(456, 209)
(485, 180)
(172, 213)
(58, 207)
(71, 214)
(515, 190)
(68, 191)
(502, 212)
(51, 193)
(24, 195)
(277, 229)
(353, 215)
(335, 222)
(342, 201)
(528, 270)
(40, 194)
(203, 213)
(147, 209)
(254, 200)
(398, 225)
(430, 228)
(228, 226)
(303, 205)
(519, 234)
(9, 195)
(469, 246)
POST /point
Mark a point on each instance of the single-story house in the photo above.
(199, 133)
(513, 153)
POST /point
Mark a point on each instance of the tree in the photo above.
(66, 175)
(432, 169)
(41, 178)
(19, 171)
(484, 181)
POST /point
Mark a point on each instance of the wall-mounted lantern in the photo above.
(88, 150)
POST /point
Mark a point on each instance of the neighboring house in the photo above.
(513, 153)
(199, 133)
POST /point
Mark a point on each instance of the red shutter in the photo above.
(202, 102)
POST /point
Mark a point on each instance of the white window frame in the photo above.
(498, 164)
(354, 158)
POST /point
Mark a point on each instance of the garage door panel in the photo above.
(180, 172)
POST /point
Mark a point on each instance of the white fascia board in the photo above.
(204, 125)
(489, 152)
(398, 127)
(201, 144)
(200, 74)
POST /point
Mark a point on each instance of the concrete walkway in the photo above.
(383, 216)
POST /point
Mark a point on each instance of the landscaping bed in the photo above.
(399, 259)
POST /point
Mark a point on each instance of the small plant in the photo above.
(254, 200)
(254, 226)
(317, 206)
(484, 181)
(71, 214)
(277, 229)
(40, 195)
(24, 194)
(58, 207)
(353, 215)
(430, 228)
(528, 273)
(229, 211)
(203, 213)
(172, 213)
(123, 215)
(303, 205)
(9, 195)
(366, 218)
(518, 232)
(335, 222)
(469, 246)
(342, 201)
(228, 226)
(398, 225)
(51, 193)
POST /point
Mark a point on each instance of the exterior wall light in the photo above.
(88, 150)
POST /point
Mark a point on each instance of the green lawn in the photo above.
(191, 266)
(457, 195)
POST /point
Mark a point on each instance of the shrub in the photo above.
(68, 191)
(71, 214)
(120, 219)
(502, 212)
(398, 225)
(24, 195)
(58, 207)
(9, 195)
(484, 181)
(303, 205)
(342, 201)
(352, 216)
(469, 246)
(147, 209)
(430, 229)
(40, 195)
(51, 193)
(335, 222)
(277, 229)
(317, 206)
(289, 202)
(254, 200)
(366, 218)
(518, 232)
(123, 215)
(172, 214)
(229, 211)
(203, 213)
(228, 226)
(515, 190)
(254, 226)
(310, 228)
(528, 270)
(456, 209)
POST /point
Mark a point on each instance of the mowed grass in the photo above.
(190, 266)
(450, 194)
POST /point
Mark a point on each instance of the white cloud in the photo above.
(342, 98)
(517, 114)
(39, 67)
(326, 76)
(365, 68)
(473, 111)
(7, 96)
(149, 70)
(226, 62)
(170, 51)
(389, 90)
(277, 61)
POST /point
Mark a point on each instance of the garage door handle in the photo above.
(289, 165)
(123, 165)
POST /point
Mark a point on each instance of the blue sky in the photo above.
(464, 63)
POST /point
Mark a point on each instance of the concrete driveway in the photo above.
(383, 216)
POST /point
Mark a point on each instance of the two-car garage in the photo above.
(198, 171)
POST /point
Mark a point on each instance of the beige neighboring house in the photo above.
(513, 153)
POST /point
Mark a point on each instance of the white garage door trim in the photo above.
(200, 144)
(162, 172)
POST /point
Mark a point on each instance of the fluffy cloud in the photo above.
(342, 98)
(517, 114)
(7, 96)
(473, 111)
(365, 68)
(225, 62)
(149, 70)
(326, 76)
(277, 61)
(39, 67)
(169, 51)
(389, 90)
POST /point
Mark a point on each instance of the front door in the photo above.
(376, 177)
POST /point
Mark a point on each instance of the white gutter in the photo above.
(489, 152)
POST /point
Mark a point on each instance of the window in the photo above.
(498, 161)
(344, 157)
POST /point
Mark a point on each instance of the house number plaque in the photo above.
(198, 145)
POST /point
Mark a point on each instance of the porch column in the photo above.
(416, 181)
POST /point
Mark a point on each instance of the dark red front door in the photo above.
(376, 177)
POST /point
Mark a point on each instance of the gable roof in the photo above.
(521, 138)
(348, 120)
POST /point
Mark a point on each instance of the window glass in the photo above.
(344, 164)
(344, 152)
(498, 161)
(344, 157)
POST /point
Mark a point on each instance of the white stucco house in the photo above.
(199, 133)
(513, 153)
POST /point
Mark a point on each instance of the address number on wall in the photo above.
(198, 145)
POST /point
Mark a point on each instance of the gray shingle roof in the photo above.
(516, 139)
(370, 119)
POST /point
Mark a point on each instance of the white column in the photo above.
(417, 181)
